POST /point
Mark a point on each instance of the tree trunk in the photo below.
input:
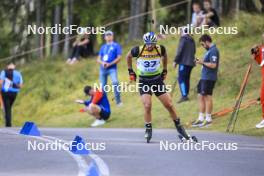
(55, 37)
(153, 15)
(39, 23)
(218, 6)
(262, 4)
(136, 25)
(248, 5)
(233, 7)
(69, 10)
(14, 16)
(15, 26)
(189, 12)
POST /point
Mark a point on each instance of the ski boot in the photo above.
(148, 132)
(183, 136)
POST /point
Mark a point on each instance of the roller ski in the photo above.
(191, 139)
(183, 136)
(148, 132)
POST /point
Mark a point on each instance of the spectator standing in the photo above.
(11, 82)
(109, 56)
(185, 58)
(205, 87)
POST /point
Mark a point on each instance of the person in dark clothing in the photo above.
(185, 58)
(211, 17)
(11, 81)
(82, 47)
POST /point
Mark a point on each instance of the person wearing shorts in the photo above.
(152, 70)
(152, 85)
(98, 105)
(206, 85)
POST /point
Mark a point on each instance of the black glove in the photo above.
(132, 75)
(164, 74)
(253, 51)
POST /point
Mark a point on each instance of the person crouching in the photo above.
(98, 105)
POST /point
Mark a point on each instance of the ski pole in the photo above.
(238, 101)
(239, 98)
(231, 109)
(237, 111)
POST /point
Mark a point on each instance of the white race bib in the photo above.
(148, 66)
(105, 58)
(7, 84)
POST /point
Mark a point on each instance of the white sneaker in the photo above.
(73, 61)
(260, 125)
(97, 123)
(119, 104)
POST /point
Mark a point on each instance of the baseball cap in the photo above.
(109, 32)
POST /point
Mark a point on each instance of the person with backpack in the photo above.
(151, 70)
(11, 82)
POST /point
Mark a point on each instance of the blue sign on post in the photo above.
(30, 129)
(78, 146)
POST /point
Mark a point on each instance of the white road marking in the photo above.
(102, 166)
(243, 146)
(83, 168)
(80, 161)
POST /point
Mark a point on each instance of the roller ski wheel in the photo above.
(191, 139)
(148, 134)
(194, 139)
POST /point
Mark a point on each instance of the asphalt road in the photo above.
(127, 154)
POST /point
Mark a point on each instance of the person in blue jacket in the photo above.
(11, 82)
(109, 56)
(98, 105)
